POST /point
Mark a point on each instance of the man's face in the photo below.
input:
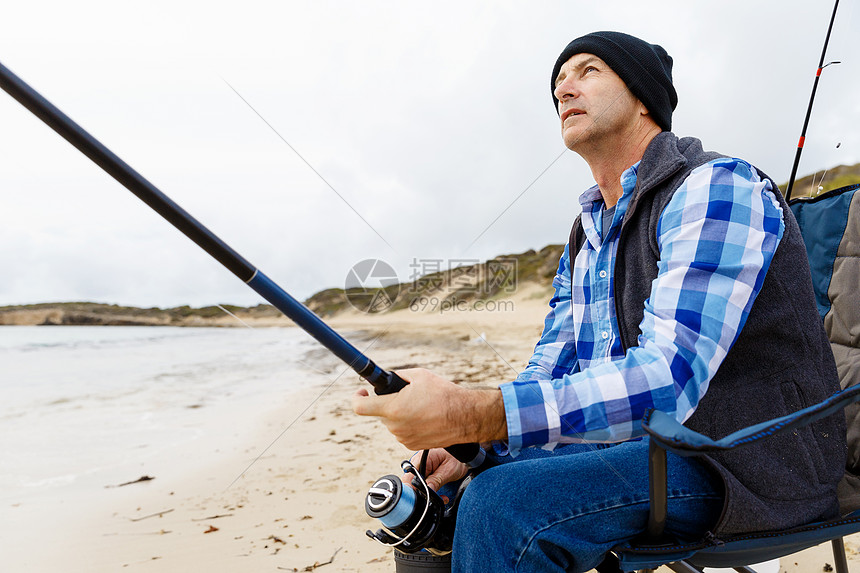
(594, 104)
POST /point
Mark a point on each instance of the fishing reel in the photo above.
(413, 518)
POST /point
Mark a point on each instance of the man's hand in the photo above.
(432, 412)
(442, 468)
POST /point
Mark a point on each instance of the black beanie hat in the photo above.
(645, 68)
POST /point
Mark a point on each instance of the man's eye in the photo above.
(589, 69)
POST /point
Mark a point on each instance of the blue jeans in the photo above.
(563, 510)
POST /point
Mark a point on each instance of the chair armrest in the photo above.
(673, 436)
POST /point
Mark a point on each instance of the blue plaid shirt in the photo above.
(717, 237)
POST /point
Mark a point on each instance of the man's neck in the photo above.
(609, 162)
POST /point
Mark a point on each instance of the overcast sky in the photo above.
(429, 119)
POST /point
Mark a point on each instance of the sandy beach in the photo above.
(299, 504)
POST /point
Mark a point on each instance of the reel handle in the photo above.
(472, 455)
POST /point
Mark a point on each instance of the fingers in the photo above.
(442, 468)
(364, 404)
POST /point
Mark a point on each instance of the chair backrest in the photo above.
(830, 224)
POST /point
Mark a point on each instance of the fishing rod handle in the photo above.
(473, 455)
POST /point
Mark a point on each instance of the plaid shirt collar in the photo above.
(592, 205)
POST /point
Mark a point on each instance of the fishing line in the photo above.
(299, 155)
(296, 360)
(821, 181)
(553, 162)
(302, 413)
(234, 316)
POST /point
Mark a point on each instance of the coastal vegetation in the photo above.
(824, 181)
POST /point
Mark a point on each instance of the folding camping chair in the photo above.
(830, 224)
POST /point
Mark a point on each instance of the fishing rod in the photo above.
(384, 382)
(802, 140)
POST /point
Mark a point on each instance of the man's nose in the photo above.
(566, 90)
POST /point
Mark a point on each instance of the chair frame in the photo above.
(667, 434)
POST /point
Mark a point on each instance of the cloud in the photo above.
(428, 119)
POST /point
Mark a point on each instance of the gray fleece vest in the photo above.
(780, 363)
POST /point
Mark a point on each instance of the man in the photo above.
(684, 288)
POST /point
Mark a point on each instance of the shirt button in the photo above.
(602, 274)
(604, 334)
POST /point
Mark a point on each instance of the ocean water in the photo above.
(84, 406)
